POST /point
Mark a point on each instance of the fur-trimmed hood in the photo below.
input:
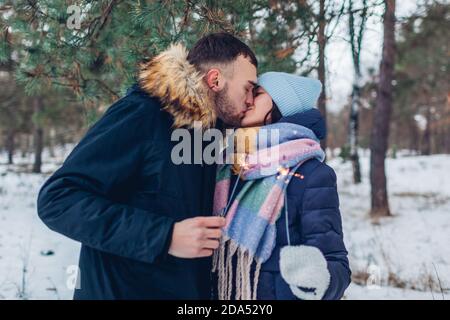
(179, 85)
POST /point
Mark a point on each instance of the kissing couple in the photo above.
(153, 229)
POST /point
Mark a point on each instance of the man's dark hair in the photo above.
(219, 47)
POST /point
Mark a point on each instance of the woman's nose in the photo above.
(249, 100)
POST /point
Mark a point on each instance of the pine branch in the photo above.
(103, 19)
(6, 7)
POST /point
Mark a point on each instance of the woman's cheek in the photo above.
(268, 102)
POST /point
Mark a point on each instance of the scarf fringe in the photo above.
(245, 288)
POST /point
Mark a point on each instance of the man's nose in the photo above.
(249, 99)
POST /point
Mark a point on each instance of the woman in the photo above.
(283, 237)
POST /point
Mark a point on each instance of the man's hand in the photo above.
(196, 237)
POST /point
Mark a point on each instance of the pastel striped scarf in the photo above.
(250, 230)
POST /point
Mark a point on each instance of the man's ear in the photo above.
(214, 79)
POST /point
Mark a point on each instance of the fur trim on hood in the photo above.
(179, 85)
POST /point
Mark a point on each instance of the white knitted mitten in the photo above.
(305, 269)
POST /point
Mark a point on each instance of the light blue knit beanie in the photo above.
(292, 94)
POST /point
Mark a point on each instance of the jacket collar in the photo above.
(311, 119)
(180, 87)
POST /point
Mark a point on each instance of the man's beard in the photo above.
(226, 110)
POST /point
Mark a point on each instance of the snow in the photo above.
(409, 250)
(357, 292)
(34, 261)
(402, 257)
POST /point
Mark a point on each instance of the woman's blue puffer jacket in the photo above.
(314, 220)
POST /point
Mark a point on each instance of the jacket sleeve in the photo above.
(80, 199)
(321, 227)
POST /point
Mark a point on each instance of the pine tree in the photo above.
(94, 47)
(422, 77)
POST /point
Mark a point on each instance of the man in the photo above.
(142, 220)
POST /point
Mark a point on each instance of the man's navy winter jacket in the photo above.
(119, 193)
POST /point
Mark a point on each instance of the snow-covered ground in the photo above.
(35, 263)
(406, 256)
(410, 250)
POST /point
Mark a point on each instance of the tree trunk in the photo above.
(354, 126)
(38, 136)
(426, 146)
(413, 136)
(356, 31)
(382, 115)
(322, 104)
(23, 145)
(51, 142)
(10, 145)
(447, 138)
